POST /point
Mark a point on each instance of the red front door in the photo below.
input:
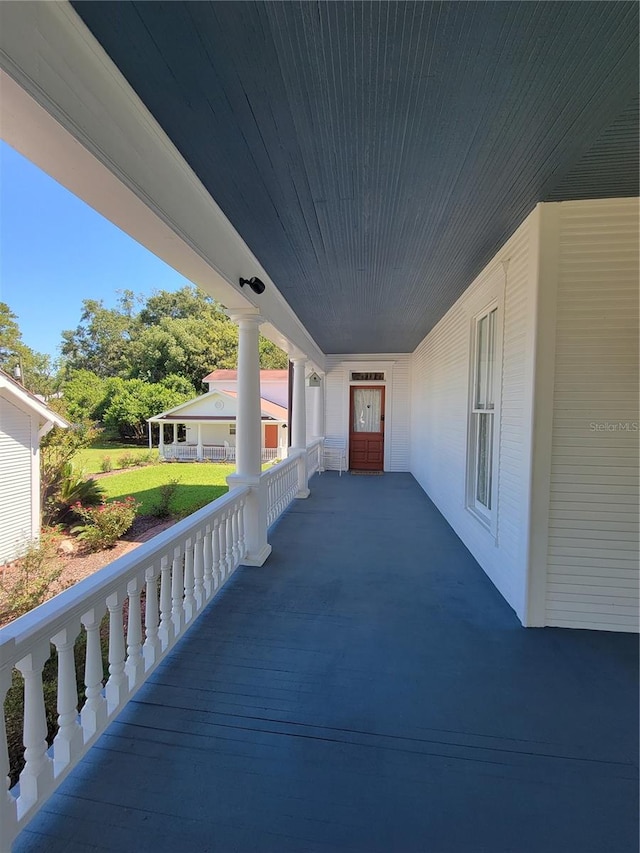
(271, 435)
(366, 428)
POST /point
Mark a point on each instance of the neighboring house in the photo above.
(24, 420)
(274, 384)
(205, 427)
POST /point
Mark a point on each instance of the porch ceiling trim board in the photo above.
(68, 109)
(375, 156)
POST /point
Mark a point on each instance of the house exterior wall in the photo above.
(440, 371)
(592, 577)
(211, 434)
(211, 404)
(337, 383)
(19, 516)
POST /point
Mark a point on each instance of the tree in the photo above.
(185, 333)
(102, 339)
(36, 370)
(135, 402)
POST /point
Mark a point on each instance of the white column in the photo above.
(161, 440)
(318, 411)
(299, 406)
(199, 450)
(299, 424)
(249, 438)
(175, 433)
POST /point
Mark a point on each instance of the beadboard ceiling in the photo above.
(375, 155)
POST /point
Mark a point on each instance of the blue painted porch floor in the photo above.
(366, 690)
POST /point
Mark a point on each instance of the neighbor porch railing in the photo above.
(140, 605)
(213, 452)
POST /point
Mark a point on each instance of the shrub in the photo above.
(40, 567)
(167, 492)
(106, 523)
(73, 488)
(128, 460)
(106, 465)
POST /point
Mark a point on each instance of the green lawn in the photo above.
(90, 459)
(199, 484)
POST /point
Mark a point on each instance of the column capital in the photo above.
(296, 356)
(246, 317)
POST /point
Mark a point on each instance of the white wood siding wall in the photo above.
(16, 459)
(397, 423)
(439, 415)
(592, 579)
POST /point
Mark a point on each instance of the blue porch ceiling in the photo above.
(374, 156)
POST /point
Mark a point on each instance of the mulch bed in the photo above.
(80, 564)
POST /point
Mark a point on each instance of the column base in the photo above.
(303, 493)
(257, 559)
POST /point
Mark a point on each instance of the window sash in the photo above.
(482, 425)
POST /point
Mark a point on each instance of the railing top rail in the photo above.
(73, 603)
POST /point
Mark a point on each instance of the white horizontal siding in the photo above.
(397, 421)
(592, 579)
(439, 400)
(15, 480)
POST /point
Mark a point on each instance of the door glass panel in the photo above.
(366, 409)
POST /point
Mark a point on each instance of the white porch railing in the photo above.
(214, 452)
(180, 451)
(281, 486)
(314, 457)
(166, 583)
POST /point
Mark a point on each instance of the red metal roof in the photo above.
(232, 375)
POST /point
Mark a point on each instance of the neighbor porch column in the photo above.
(161, 439)
(199, 452)
(248, 438)
(299, 423)
(175, 433)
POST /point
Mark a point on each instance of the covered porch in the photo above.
(368, 689)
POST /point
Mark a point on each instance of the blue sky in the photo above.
(56, 251)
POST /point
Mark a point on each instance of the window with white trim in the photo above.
(482, 426)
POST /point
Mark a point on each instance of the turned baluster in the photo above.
(223, 570)
(208, 559)
(8, 810)
(242, 543)
(152, 647)
(198, 571)
(166, 625)
(68, 743)
(189, 583)
(134, 667)
(93, 716)
(216, 568)
(117, 686)
(177, 592)
(36, 779)
(234, 536)
(229, 539)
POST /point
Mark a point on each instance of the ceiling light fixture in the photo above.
(254, 283)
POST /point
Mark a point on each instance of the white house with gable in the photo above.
(204, 428)
(24, 420)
